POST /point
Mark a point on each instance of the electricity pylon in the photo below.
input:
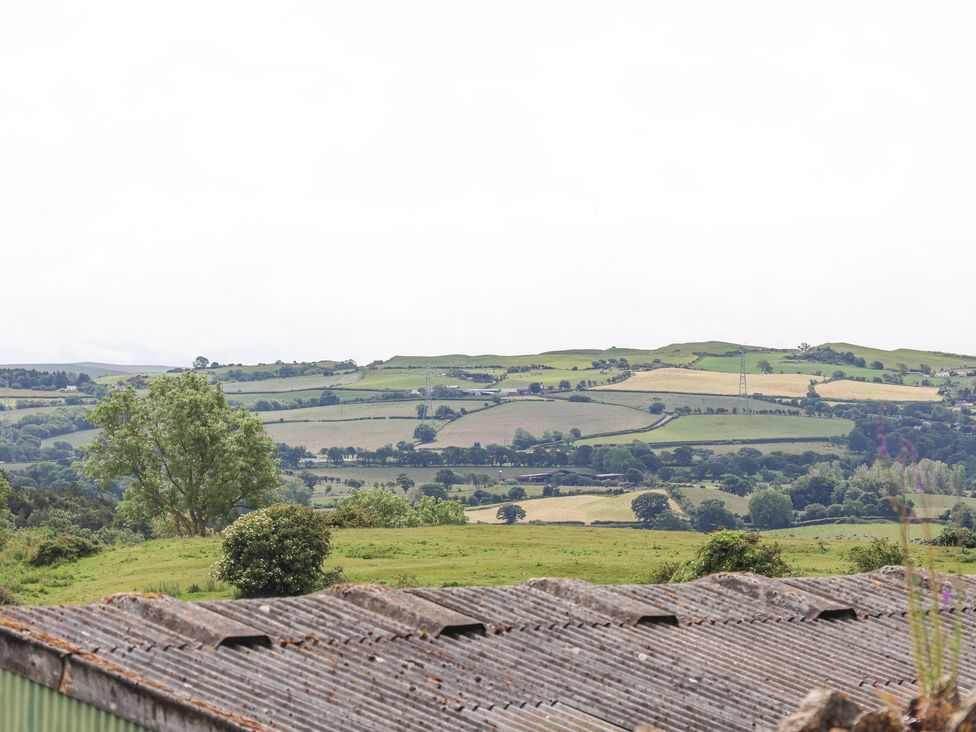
(743, 388)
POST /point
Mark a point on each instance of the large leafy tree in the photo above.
(510, 513)
(648, 505)
(770, 509)
(193, 460)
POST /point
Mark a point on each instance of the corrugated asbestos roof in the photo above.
(728, 652)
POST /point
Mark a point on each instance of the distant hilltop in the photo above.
(93, 369)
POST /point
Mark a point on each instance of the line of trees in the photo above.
(18, 378)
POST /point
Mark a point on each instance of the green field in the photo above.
(932, 505)
(910, 357)
(738, 505)
(913, 359)
(249, 400)
(679, 354)
(9, 393)
(357, 410)
(118, 378)
(15, 415)
(369, 434)
(498, 425)
(855, 532)
(290, 383)
(431, 556)
(263, 368)
(550, 378)
(75, 439)
(744, 427)
(730, 365)
(671, 401)
(409, 379)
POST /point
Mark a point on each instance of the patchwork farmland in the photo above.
(794, 386)
(498, 425)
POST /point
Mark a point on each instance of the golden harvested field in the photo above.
(692, 381)
(865, 390)
(357, 410)
(585, 508)
(366, 433)
(713, 382)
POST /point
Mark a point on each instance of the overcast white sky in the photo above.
(253, 181)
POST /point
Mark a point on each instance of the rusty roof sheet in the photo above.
(730, 652)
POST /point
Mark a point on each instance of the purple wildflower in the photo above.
(946, 596)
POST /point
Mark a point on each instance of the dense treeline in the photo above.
(917, 431)
(682, 463)
(325, 399)
(22, 441)
(15, 378)
(826, 354)
(48, 492)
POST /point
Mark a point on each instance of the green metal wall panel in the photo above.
(26, 706)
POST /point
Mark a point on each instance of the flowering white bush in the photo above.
(275, 551)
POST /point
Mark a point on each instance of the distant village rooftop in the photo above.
(728, 652)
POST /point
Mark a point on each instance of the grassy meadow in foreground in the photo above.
(445, 555)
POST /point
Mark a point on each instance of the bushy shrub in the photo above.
(64, 547)
(7, 597)
(275, 551)
(711, 515)
(956, 536)
(649, 505)
(814, 512)
(119, 535)
(737, 485)
(663, 573)
(430, 511)
(879, 553)
(734, 551)
(381, 509)
(375, 508)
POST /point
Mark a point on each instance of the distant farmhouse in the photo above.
(728, 652)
